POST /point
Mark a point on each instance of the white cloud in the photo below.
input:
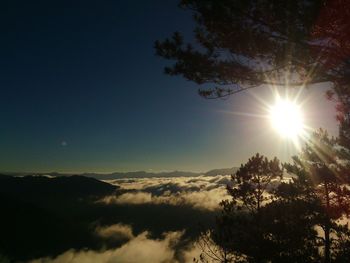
(184, 183)
(116, 231)
(132, 198)
(201, 192)
(203, 200)
(139, 249)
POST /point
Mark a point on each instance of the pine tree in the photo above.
(240, 229)
(244, 44)
(252, 181)
(322, 161)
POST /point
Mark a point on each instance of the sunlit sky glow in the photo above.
(81, 94)
(287, 119)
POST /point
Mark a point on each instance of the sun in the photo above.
(286, 118)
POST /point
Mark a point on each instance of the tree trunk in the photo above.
(327, 228)
(327, 243)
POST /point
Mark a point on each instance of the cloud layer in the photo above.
(202, 192)
(140, 248)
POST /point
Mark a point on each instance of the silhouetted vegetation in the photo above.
(244, 44)
(297, 219)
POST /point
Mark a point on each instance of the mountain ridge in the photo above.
(136, 174)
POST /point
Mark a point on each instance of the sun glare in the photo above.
(286, 117)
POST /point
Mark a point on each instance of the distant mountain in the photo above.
(137, 174)
(140, 174)
(223, 171)
(61, 186)
(143, 174)
(43, 216)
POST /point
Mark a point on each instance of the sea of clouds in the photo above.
(203, 193)
(200, 192)
(139, 248)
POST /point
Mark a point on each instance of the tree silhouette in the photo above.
(216, 247)
(240, 229)
(244, 44)
(322, 161)
(290, 221)
(270, 220)
(252, 181)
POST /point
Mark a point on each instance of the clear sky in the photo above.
(82, 91)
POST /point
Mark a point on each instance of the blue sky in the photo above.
(82, 90)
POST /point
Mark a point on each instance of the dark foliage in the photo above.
(258, 42)
(252, 181)
(326, 165)
(267, 221)
(298, 218)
